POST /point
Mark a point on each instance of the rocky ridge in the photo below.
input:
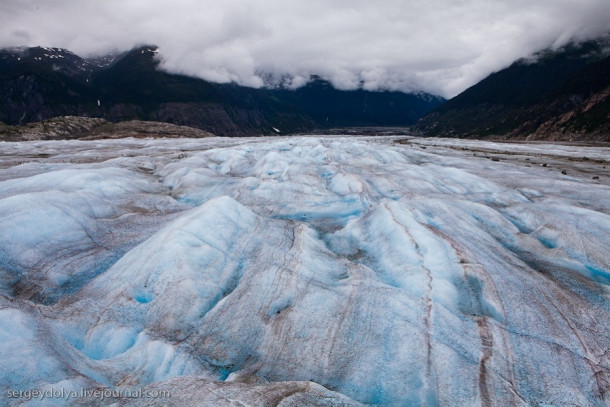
(90, 128)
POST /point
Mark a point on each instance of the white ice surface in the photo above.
(316, 270)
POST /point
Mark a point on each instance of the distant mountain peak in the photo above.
(36, 58)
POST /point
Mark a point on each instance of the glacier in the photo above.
(305, 270)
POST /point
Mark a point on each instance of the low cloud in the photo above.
(437, 46)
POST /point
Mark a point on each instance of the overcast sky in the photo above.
(437, 46)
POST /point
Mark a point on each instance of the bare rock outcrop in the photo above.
(89, 128)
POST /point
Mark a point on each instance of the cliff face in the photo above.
(556, 95)
(41, 83)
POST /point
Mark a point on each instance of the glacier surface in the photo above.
(327, 271)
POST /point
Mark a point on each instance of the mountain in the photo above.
(41, 83)
(38, 83)
(359, 107)
(555, 95)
